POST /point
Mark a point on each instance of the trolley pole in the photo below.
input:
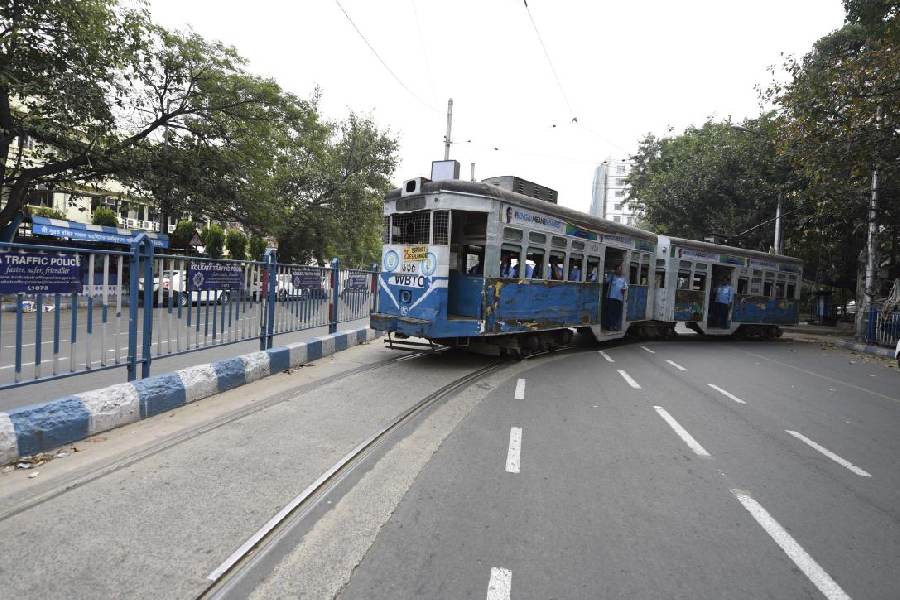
(449, 127)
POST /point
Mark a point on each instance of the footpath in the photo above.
(840, 335)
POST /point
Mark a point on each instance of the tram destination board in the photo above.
(40, 272)
(205, 275)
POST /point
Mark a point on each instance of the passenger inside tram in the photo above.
(535, 257)
(555, 270)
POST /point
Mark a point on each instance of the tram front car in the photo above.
(414, 282)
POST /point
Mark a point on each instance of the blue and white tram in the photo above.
(471, 264)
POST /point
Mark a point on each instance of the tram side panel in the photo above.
(513, 306)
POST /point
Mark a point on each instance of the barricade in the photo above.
(66, 310)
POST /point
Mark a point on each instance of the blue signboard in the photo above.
(358, 282)
(92, 233)
(207, 275)
(40, 273)
(306, 278)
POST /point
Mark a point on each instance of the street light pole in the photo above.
(778, 241)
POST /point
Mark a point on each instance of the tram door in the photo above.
(718, 314)
(467, 264)
(613, 300)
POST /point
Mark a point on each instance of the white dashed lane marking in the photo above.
(676, 365)
(520, 390)
(726, 394)
(629, 379)
(682, 432)
(816, 574)
(500, 585)
(515, 449)
(648, 350)
(606, 356)
(843, 462)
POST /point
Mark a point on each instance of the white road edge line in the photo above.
(648, 350)
(726, 393)
(829, 588)
(520, 390)
(629, 379)
(606, 356)
(515, 448)
(844, 463)
(676, 365)
(500, 584)
(682, 432)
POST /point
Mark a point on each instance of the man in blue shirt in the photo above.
(721, 304)
(615, 298)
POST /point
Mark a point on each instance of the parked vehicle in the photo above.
(174, 284)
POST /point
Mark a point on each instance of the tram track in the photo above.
(227, 577)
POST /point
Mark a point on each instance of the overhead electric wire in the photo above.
(562, 91)
(381, 60)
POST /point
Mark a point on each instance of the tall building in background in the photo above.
(611, 194)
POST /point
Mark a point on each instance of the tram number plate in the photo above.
(417, 281)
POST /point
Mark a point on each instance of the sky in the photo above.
(622, 69)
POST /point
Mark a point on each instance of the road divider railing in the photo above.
(29, 430)
(68, 310)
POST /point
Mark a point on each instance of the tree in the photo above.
(236, 242)
(257, 246)
(105, 216)
(333, 193)
(94, 84)
(213, 238)
(50, 213)
(182, 235)
(722, 180)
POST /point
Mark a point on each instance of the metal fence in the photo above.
(66, 311)
(882, 328)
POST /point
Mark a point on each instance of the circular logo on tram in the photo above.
(429, 265)
(391, 260)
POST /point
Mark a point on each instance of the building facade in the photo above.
(611, 193)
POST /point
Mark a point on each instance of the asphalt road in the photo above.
(584, 474)
(170, 337)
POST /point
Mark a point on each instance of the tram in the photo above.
(481, 266)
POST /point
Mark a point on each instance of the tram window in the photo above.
(474, 260)
(743, 282)
(699, 282)
(577, 245)
(537, 238)
(535, 260)
(514, 235)
(779, 289)
(768, 284)
(558, 242)
(556, 264)
(440, 227)
(684, 275)
(411, 228)
(791, 290)
(509, 261)
(755, 286)
(659, 278)
(644, 278)
(574, 270)
(386, 232)
(634, 271)
(593, 269)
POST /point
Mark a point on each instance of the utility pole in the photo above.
(473, 171)
(871, 244)
(778, 241)
(449, 127)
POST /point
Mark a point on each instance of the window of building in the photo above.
(617, 219)
(620, 169)
(620, 193)
(618, 206)
(39, 198)
(630, 220)
(620, 181)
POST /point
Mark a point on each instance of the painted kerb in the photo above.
(42, 427)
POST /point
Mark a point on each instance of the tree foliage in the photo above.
(105, 216)
(236, 242)
(213, 238)
(181, 237)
